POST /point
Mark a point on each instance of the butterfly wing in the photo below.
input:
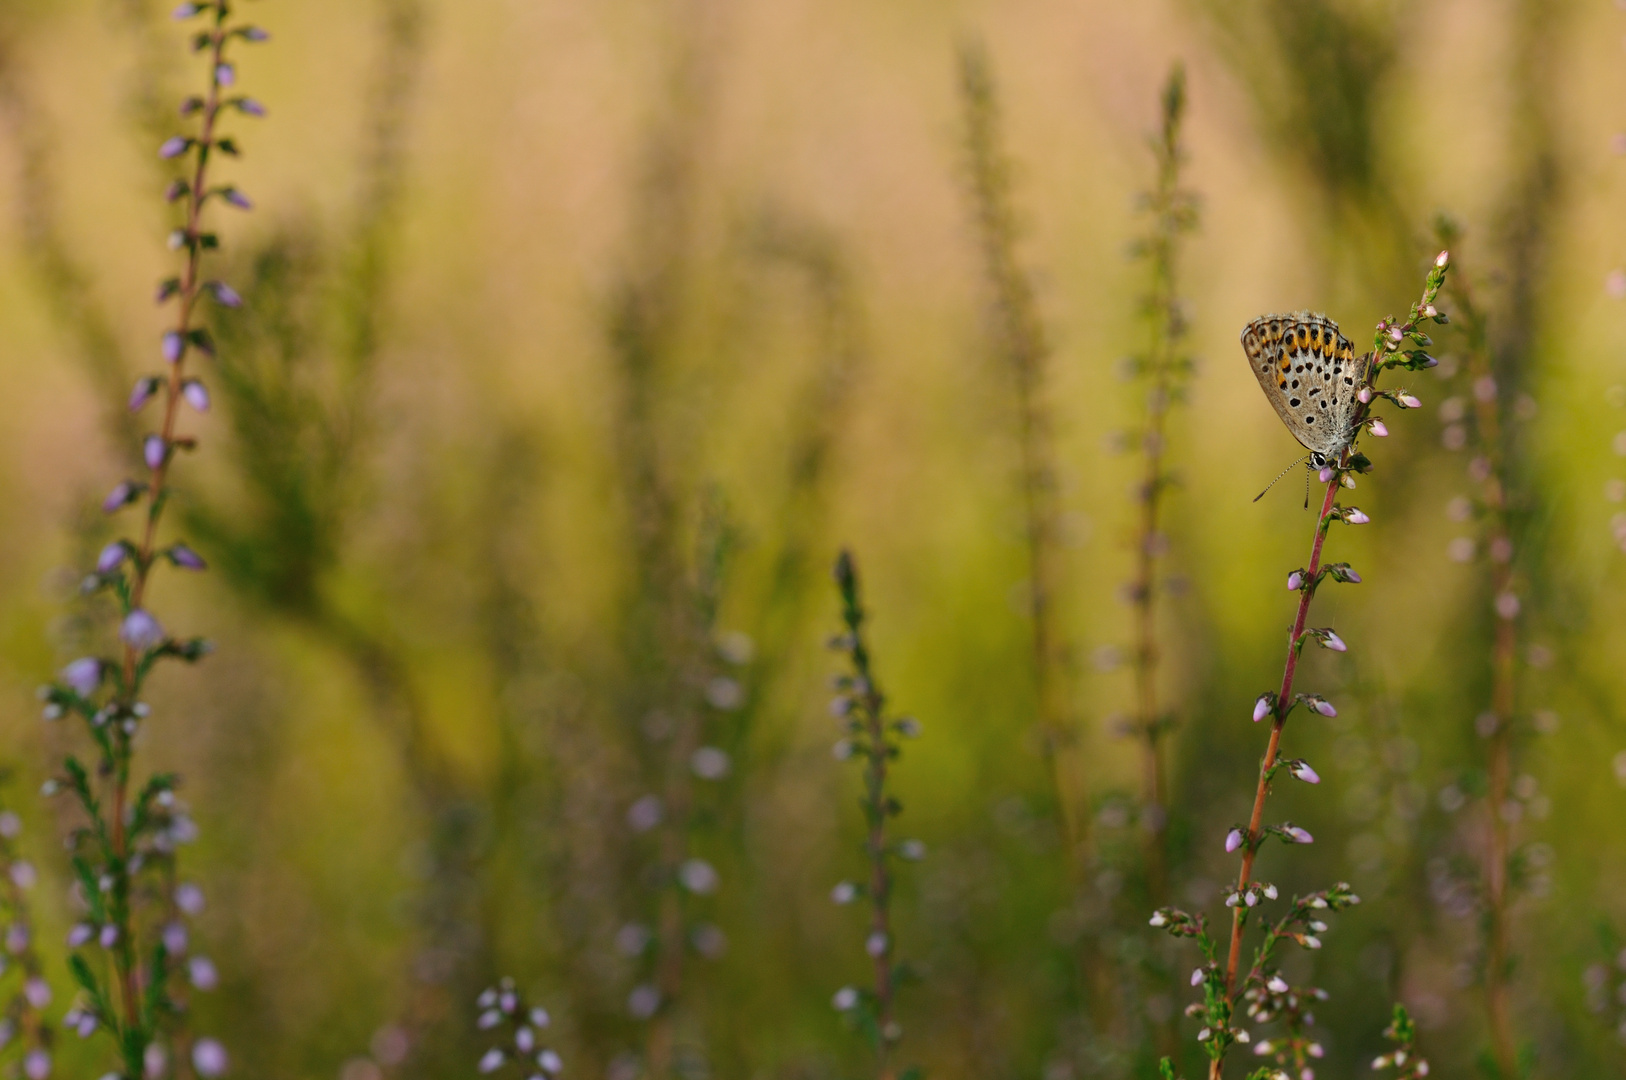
(1310, 375)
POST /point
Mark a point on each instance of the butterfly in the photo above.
(1311, 376)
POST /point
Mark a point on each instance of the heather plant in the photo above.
(873, 737)
(26, 1035)
(132, 956)
(1162, 374)
(520, 1051)
(1260, 993)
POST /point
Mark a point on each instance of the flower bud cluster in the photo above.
(520, 1050)
(21, 975)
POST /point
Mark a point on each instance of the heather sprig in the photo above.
(1396, 344)
(23, 1027)
(1403, 1059)
(1478, 422)
(129, 946)
(519, 1027)
(873, 737)
(1162, 375)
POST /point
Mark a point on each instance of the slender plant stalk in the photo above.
(1164, 370)
(1022, 346)
(1491, 467)
(1391, 348)
(872, 737)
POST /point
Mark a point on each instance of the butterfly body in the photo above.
(1311, 376)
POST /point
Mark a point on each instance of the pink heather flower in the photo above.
(1380, 429)
(492, 1060)
(175, 937)
(196, 395)
(228, 296)
(186, 558)
(123, 492)
(225, 75)
(1364, 395)
(1410, 402)
(1430, 311)
(251, 107)
(254, 33)
(1395, 333)
(140, 630)
(1441, 259)
(1325, 708)
(209, 1058)
(1261, 708)
(38, 992)
(189, 898)
(876, 944)
(1158, 919)
(80, 934)
(174, 147)
(540, 1017)
(173, 345)
(1352, 577)
(83, 676)
(550, 1062)
(1277, 985)
(1233, 840)
(1356, 517)
(154, 451)
(1295, 581)
(108, 937)
(110, 558)
(1197, 977)
(1298, 835)
(1507, 606)
(1334, 642)
(1302, 771)
(201, 970)
(186, 11)
(37, 1065)
(1251, 899)
(237, 199)
(143, 392)
(1325, 474)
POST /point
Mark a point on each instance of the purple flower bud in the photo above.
(174, 345)
(83, 676)
(1351, 576)
(1251, 898)
(123, 492)
(81, 933)
(176, 189)
(209, 1058)
(154, 451)
(112, 555)
(201, 970)
(1298, 835)
(143, 392)
(224, 293)
(1441, 259)
(1197, 977)
(1277, 985)
(236, 198)
(251, 107)
(140, 630)
(1380, 429)
(174, 147)
(1324, 707)
(1233, 840)
(37, 1065)
(196, 395)
(1158, 919)
(1262, 708)
(86, 1027)
(225, 74)
(492, 1060)
(1334, 642)
(1410, 402)
(1295, 581)
(1356, 516)
(189, 898)
(186, 558)
(108, 937)
(254, 33)
(1325, 474)
(1301, 770)
(186, 11)
(1364, 395)
(1507, 606)
(550, 1062)
(1430, 311)
(175, 937)
(38, 992)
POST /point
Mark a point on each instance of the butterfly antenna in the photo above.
(1306, 488)
(1281, 474)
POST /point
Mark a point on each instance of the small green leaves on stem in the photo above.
(1403, 1059)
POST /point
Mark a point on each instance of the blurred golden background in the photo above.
(581, 335)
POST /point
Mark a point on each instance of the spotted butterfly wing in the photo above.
(1311, 375)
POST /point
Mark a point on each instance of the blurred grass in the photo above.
(528, 281)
